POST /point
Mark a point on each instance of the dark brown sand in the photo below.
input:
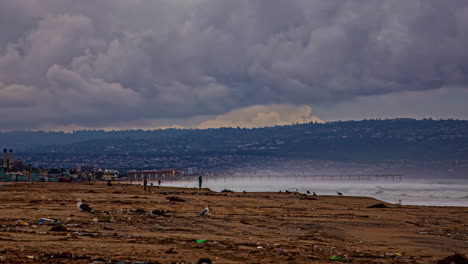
(241, 228)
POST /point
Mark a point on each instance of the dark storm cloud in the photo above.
(103, 63)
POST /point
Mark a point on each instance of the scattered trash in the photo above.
(245, 222)
(200, 241)
(170, 251)
(158, 212)
(95, 220)
(260, 247)
(281, 250)
(228, 238)
(30, 257)
(21, 223)
(379, 205)
(175, 199)
(204, 261)
(139, 211)
(337, 258)
(47, 221)
(455, 258)
(59, 228)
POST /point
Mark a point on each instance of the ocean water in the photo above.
(429, 192)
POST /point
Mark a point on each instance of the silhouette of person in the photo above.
(200, 181)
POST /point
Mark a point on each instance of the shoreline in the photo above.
(255, 227)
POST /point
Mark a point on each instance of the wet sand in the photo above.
(241, 228)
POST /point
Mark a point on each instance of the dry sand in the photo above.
(241, 228)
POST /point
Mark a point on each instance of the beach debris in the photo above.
(158, 212)
(245, 222)
(204, 261)
(226, 191)
(175, 199)
(170, 251)
(59, 228)
(454, 259)
(200, 241)
(379, 205)
(48, 221)
(204, 212)
(244, 191)
(138, 211)
(84, 207)
(340, 194)
(336, 258)
(21, 223)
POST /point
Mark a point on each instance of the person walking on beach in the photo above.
(159, 182)
(145, 182)
(200, 181)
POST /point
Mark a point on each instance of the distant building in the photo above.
(151, 174)
(87, 168)
(192, 170)
(110, 175)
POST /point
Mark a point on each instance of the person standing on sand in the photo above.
(159, 182)
(145, 182)
(200, 181)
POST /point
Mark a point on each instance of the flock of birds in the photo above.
(204, 212)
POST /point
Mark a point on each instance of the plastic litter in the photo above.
(22, 223)
(337, 258)
(200, 241)
(46, 221)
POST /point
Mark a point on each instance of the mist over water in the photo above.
(430, 192)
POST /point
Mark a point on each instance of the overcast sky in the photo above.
(67, 64)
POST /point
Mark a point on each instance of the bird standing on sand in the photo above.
(204, 212)
(314, 194)
(340, 194)
(84, 207)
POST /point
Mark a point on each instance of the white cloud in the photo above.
(102, 63)
(262, 116)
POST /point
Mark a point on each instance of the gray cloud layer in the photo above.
(107, 62)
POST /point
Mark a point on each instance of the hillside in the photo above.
(369, 140)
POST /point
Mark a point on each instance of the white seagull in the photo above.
(84, 207)
(204, 212)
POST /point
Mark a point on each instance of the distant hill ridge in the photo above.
(388, 138)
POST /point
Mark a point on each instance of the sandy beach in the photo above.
(39, 223)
